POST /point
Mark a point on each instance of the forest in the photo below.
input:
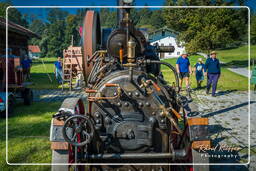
(201, 29)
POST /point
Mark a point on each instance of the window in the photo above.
(163, 33)
(178, 53)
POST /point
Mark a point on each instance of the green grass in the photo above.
(237, 56)
(227, 81)
(39, 75)
(28, 136)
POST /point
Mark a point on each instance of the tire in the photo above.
(11, 103)
(60, 156)
(28, 96)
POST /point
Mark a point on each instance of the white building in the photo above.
(166, 37)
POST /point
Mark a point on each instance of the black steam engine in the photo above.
(132, 115)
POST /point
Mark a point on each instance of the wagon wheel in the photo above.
(28, 96)
(74, 106)
(91, 40)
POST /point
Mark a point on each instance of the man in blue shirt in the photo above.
(26, 65)
(212, 68)
(183, 68)
(58, 70)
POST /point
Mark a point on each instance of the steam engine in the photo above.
(132, 113)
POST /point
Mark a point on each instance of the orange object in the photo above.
(198, 121)
(156, 86)
(111, 85)
(176, 113)
(90, 91)
(121, 55)
(201, 144)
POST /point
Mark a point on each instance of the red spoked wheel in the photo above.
(73, 106)
(91, 40)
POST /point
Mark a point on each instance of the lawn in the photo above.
(39, 73)
(237, 56)
(28, 136)
(228, 79)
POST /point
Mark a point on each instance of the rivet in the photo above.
(137, 94)
(147, 104)
(162, 121)
(119, 104)
(141, 104)
(126, 104)
(97, 121)
(130, 93)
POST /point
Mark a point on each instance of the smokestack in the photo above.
(120, 12)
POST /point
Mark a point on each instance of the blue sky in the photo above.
(41, 12)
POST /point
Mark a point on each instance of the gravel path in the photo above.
(49, 95)
(228, 120)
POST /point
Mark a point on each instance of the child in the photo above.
(199, 70)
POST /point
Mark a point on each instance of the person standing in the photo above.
(26, 65)
(58, 70)
(213, 71)
(199, 71)
(183, 69)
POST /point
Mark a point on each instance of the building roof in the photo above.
(163, 29)
(34, 49)
(17, 28)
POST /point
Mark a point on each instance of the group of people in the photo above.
(211, 69)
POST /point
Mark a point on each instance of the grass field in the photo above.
(237, 56)
(227, 81)
(39, 73)
(28, 136)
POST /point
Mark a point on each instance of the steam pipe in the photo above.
(169, 66)
(177, 154)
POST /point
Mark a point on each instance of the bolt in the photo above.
(126, 104)
(153, 113)
(119, 104)
(140, 104)
(97, 121)
(137, 94)
(162, 121)
(97, 114)
(130, 93)
(147, 104)
(115, 93)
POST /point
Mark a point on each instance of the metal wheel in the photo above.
(91, 40)
(73, 106)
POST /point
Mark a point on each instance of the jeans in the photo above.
(212, 81)
(58, 74)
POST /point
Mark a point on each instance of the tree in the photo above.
(207, 29)
(253, 29)
(13, 14)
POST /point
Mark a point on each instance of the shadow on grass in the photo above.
(236, 64)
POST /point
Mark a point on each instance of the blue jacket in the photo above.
(212, 66)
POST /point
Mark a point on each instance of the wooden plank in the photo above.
(58, 122)
(198, 144)
(59, 145)
(198, 121)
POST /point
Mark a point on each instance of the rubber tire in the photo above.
(11, 103)
(28, 96)
(60, 156)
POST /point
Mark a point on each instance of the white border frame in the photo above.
(93, 7)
